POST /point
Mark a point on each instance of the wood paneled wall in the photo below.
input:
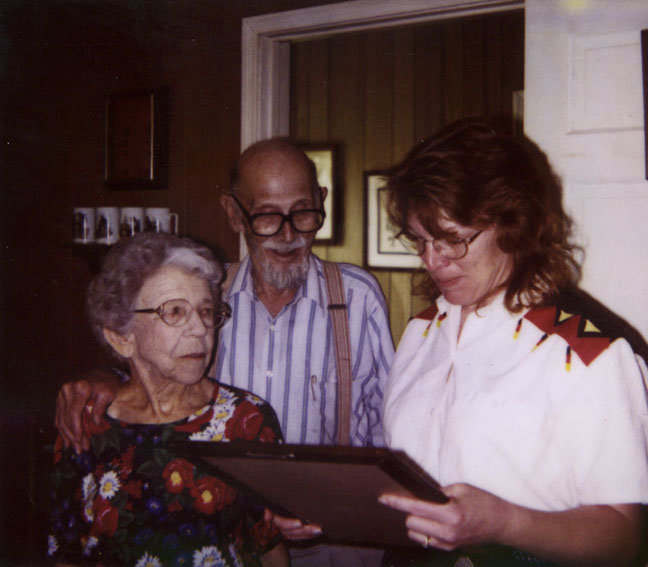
(377, 93)
(58, 62)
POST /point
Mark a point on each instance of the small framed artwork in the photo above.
(382, 249)
(137, 140)
(324, 158)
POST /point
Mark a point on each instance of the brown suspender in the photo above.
(338, 309)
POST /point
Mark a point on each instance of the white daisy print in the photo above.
(89, 491)
(90, 544)
(52, 545)
(109, 485)
(208, 556)
(89, 487)
(235, 556)
(148, 561)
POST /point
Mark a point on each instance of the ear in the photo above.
(123, 344)
(233, 214)
(324, 192)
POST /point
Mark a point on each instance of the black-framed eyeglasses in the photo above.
(176, 312)
(450, 248)
(269, 224)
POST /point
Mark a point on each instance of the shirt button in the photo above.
(272, 327)
(269, 373)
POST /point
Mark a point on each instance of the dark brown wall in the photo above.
(59, 60)
(375, 94)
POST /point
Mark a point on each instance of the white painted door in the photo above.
(584, 108)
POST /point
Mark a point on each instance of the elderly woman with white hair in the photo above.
(130, 499)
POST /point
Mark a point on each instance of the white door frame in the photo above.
(265, 78)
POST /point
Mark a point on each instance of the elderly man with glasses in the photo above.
(279, 342)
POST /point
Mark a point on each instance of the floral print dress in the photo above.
(130, 501)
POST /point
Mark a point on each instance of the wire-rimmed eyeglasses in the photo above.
(176, 312)
(450, 248)
(269, 224)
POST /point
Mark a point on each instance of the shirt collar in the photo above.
(495, 305)
(313, 288)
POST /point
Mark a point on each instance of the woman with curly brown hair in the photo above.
(518, 393)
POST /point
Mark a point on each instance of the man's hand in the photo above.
(100, 388)
(292, 528)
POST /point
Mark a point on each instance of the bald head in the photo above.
(278, 158)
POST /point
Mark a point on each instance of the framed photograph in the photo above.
(644, 64)
(137, 140)
(382, 249)
(324, 158)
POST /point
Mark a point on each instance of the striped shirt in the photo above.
(289, 360)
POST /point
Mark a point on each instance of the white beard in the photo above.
(284, 277)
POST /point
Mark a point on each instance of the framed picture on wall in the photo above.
(137, 140)
(382, 249)
(324, 157)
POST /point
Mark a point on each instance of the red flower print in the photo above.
(178, 474)
(134, 488)
(127, 460)
(267, 435)
(175, 506)
(58, 449)
(195, 424)
(106, 517)
(244, 423)
(211, 494)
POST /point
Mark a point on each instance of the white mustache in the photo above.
(285, 247)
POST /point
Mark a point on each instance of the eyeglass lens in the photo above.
(176, 312)
(451, 249)
(269, 224)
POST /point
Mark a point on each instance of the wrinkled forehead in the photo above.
(173, 282)
(275, 178)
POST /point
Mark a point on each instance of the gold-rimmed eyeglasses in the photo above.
(450, 248)
(176, 312)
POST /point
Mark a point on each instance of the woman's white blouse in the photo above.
(541, 411)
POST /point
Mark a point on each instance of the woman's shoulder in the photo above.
(234, 413)
(233, 393)
(588, 326)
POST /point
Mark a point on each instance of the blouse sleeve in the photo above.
(603, 429)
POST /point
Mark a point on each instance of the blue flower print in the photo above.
(171, 541)
(183, 559)
(143, 536)
(155, 505)
(188, 530)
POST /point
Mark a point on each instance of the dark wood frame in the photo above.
(330, 232)
(137, 140)
(644, 59)
(375, 221)
(335, 487)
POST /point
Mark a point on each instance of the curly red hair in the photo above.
(479, 176)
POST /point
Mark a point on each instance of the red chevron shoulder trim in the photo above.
(584, 338)
(428, 314)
